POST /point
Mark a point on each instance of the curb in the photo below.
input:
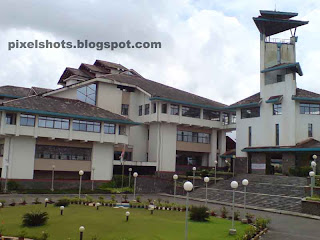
(271, 210)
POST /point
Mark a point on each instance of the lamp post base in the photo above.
(244, 221)
(232, 231)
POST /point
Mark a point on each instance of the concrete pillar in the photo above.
(213, 153)
(102, 160)
(163, 145)
(19, 154)
(288, 161)
(222, 146)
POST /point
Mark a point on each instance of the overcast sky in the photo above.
(210, 48)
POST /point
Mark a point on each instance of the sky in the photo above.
(209, 47)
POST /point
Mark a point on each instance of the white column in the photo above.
(102, 160)
(213, 153)
(222, 146)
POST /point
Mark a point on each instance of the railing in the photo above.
(277, 40)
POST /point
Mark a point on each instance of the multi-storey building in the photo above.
(280, 124)
(100, 111)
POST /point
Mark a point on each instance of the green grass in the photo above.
(109, 223)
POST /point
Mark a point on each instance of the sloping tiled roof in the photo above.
(61, 107)
(110, 64)
(307, 94)
(38, 90)
(162, 91)
(14, 91)
(255, 98)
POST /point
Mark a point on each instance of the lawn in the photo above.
(109, 223)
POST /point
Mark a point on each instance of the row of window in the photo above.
(186, 136)
(62, 153)
(60, 123)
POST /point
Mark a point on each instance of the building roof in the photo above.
(252, 100)
(38, 90)
(14, 91)
(163, 92)
(273, 22)
(295, 67)
(62, 107)
(307, 145)
(302, 93)
(275, 99)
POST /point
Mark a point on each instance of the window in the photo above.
(27, 120)
(146, 109)
(11, 118)
(87, 94)
(1, 150)
(57, 123)
(277, 135)
(277, 109)
(225, 118)
(125, 109)
(62, 153)
(154, 110)
(140, 110)
(164, 108)
(109, 128)
(249, 137)
(190, 112)
(279, 78)
(174, 109)
(306, 108)
(250, 112)
(78, 125)
(195, 137)
(310, 130)
(233, 118)
(122, 130)
(211, 115)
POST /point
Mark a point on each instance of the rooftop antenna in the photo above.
(275, 7)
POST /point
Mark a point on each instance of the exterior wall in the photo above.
(139, 139)
(222, 146)
(288, 161)
(287, 53)
(19, 153)
(102, 161)
(62, 165)
(162, 145)
(109, 97)
(214, 150)
(70, 93)
(193, 147)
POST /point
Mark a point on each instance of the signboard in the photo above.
(258, 166)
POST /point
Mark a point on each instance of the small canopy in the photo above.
(295, 67)
(275, 99)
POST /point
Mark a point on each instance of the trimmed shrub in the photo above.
(35, 218)
(224, 212)
(262, 223)
(199, 214)
(300, 171)
(249, 233)
(12, 185)
(62, 202)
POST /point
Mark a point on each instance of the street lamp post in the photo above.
(194, 169)
(127, 216)
(175, 177)
(61, 210)
(206, 180)
(81, 230)
(314, 164)
(215, 171)
(245, 183)
(135, 175)
(188, 186)
(7, 174)
(233, 164)
(312, 176)
(80, 174)
(234, 186)
(52, 177)
(92, 179)
(46, 202)
(130, 170)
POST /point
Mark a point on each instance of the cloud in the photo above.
(210, 48)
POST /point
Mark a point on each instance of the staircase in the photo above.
(264, 191)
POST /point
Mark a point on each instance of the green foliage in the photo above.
(13, 185)
(199, 214)
(300, 171)
(22, 233)
(236, 215)
(35, 218)
(224, 212)
(315, 197)
(262, 223)
(249, 233)
(249, 217)
(1, 229)
(62, 202)
(116, 182)
(204, 173)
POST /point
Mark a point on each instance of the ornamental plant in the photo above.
(199, 214)
(35, 218)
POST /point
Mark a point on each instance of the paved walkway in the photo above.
(282, 227)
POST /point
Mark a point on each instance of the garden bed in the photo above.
(311, 206)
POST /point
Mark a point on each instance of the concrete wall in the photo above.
(109, 97)
(102, 161)
(139, 139)
(19, 153)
